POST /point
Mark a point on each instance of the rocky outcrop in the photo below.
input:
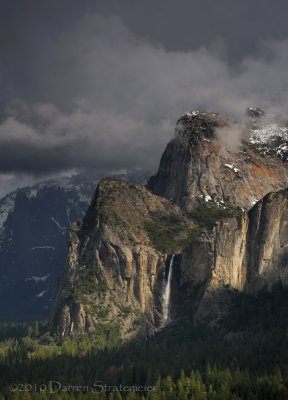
(247, 253)
(267, 246)
(116, 264)
(211, 159)
(222, 213)
(34, 232)
(116, 274)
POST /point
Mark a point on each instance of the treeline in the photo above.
(22, 329)
(248, 353)
(214, 384)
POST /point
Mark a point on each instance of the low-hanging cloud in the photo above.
(98, 97)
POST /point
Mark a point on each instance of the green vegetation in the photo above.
(89, 281)
(126, 310)
(21, 329)
(246, 358)
(207, 216)
(170, 233)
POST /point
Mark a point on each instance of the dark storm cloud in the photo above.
(177, 24)
(85, 89)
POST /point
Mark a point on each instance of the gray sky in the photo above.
(100, 84)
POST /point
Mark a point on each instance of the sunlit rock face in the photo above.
(116, 268)
(217, 206)
(245, 253)
(210, 158)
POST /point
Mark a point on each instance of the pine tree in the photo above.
(131, 396)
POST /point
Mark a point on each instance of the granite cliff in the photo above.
(245, 253)
(218, 206)
(34, 232)
(211, 158)
(116, 265)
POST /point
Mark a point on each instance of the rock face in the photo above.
(33, 243)
(116, 268)
(267, 247)
(220, 208)
(204, 161)
(34, 234)
(247, 252)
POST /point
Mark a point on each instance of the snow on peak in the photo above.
(255, 112)
(43, 247)
(41, 294)
(191, 114)
(271, 139)
(231, 166)
(267, 132)
(61, 228)
(37, 279)
(6, 205)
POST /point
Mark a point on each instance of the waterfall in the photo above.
(167, 293)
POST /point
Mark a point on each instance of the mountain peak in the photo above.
(200, 123)
(198, 115)
(209, 158)
(254, 112)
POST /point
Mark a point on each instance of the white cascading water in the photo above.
(167, 294)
